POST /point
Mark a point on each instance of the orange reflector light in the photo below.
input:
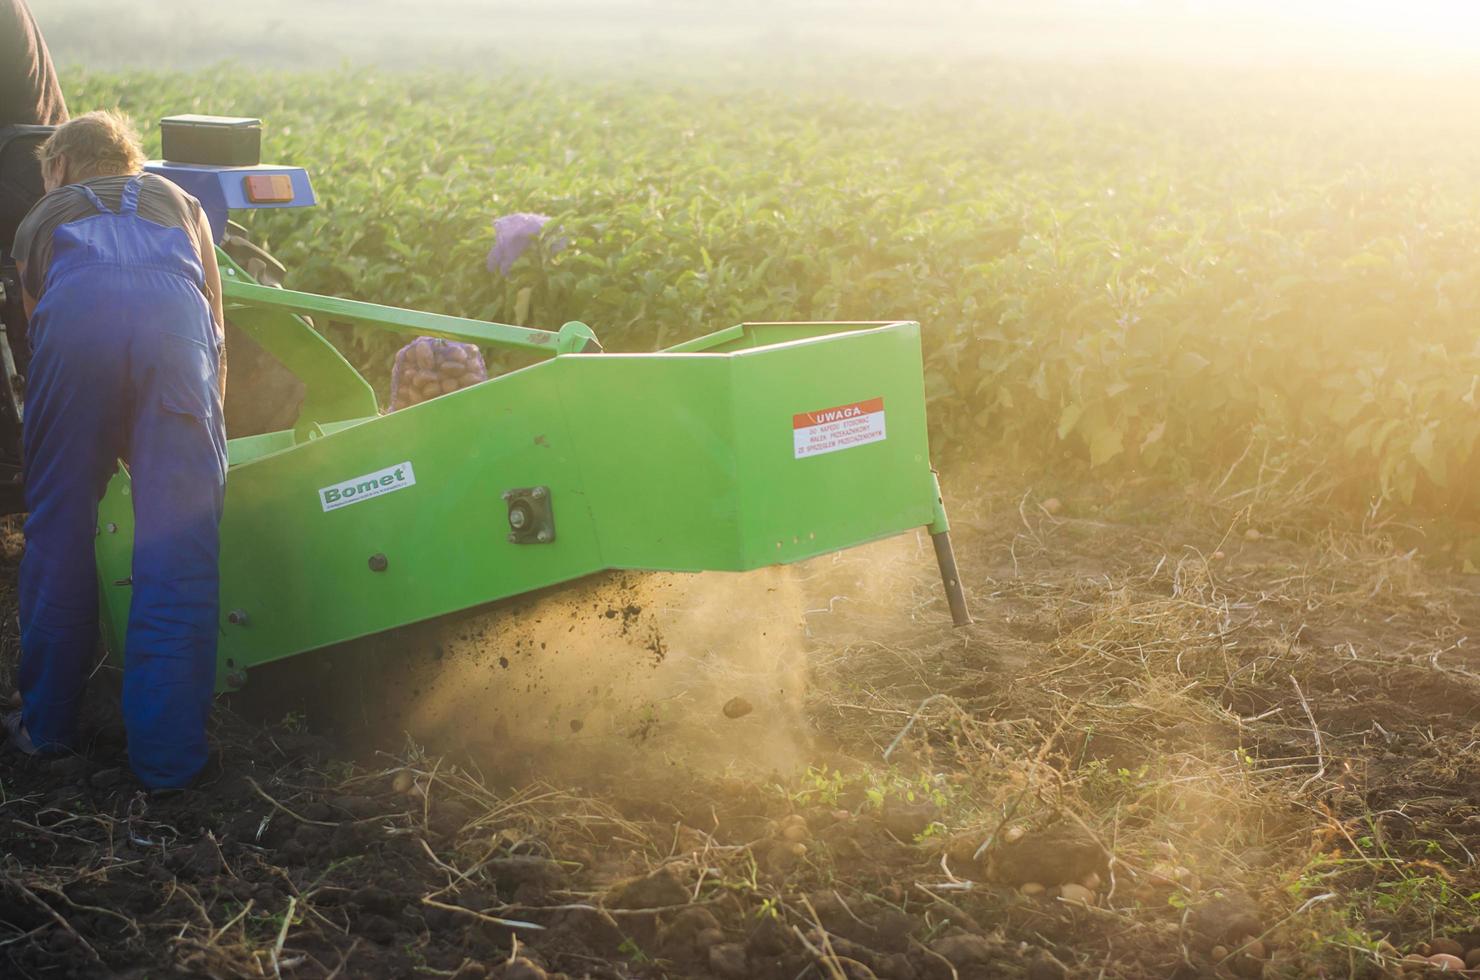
(268, 188)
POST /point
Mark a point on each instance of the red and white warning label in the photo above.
(843, 427)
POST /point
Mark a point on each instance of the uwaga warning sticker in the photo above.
(832, 429)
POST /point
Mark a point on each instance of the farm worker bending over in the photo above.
(120, 279)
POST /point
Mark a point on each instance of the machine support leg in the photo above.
(945, 557)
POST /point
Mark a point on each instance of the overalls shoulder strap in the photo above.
(92, 198)
(130, 203)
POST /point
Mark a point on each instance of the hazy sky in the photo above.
(1414, 33)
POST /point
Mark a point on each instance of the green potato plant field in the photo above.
(1202, 354)
(1153, 273)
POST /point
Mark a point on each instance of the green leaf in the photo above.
(1069, 418)
(1428, 457)
(1105, 439)
(1190, 363)
(1039, 382)
(1105, 444)
(1154, 436)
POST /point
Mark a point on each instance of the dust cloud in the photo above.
(624, 671)
(625, 674)
(631, 673)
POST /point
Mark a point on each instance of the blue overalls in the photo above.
(124, 366)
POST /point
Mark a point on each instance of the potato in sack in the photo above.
(430, 367)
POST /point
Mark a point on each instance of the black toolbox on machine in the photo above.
(224, 141)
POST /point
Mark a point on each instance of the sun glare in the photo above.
(1371, 33)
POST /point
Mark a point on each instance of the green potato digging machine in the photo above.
(760, 444)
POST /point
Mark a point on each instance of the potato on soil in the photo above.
(658, 890)
(1446, 945)
(1076, 893)
(1054, 855)
(794, 828)
(777, 857)
(403, 782)
(1053, 506)
(1446, 962)
(737, 707)
(1472, 959)
(1172, 875)
(907, 821)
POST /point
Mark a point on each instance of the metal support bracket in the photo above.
(572, 338)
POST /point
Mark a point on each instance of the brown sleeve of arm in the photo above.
(212, 286)
(29, 92)
(17, 100)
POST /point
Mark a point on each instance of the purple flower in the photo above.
(512, 234)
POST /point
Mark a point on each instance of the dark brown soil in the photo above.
(1144, 761)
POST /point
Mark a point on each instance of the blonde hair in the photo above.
(103, 143)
